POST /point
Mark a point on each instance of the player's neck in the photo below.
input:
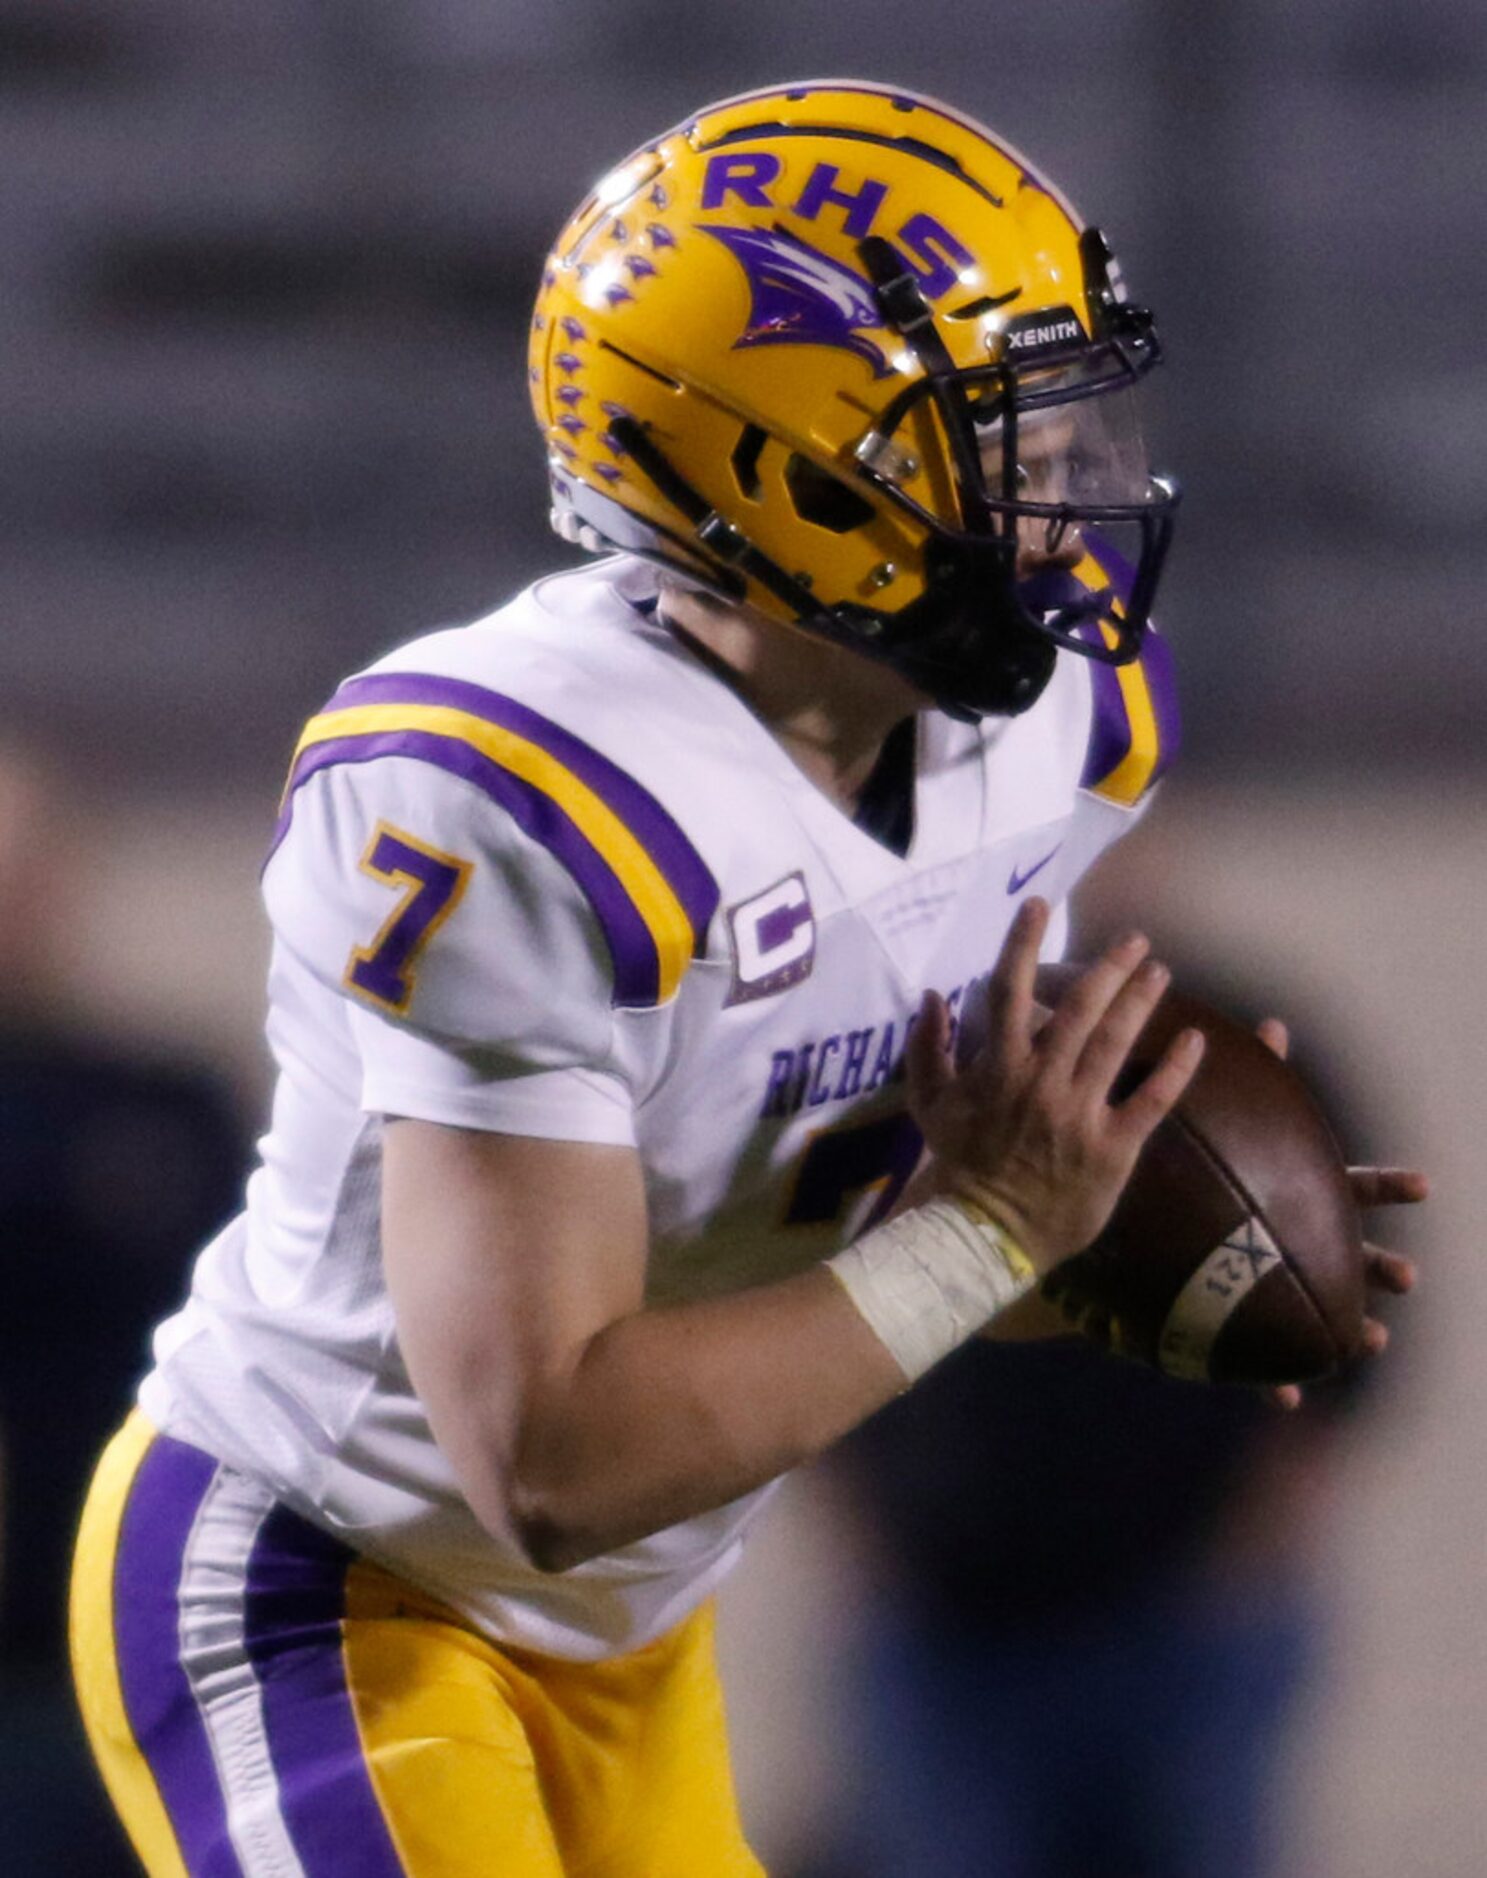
(830, 709)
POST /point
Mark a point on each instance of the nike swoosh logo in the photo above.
(1016, 882)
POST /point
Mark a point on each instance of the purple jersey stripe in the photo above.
(657, 832)
(1110, 732)
(293, 1604)
(1161, 681)
(1110, 727)
(632, 949)
(1111, 563)
(159, 1514)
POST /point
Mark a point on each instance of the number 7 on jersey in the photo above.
(430, 884)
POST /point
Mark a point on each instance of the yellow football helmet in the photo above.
(836, 351)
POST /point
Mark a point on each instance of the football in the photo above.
(1236, 1251)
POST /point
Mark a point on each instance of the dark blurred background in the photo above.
(267, 274)
(268, 269)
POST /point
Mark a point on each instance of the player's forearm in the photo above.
(672, 1412)
(1028, 1319)
(576, 1419)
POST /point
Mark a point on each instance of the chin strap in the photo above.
(901, 301)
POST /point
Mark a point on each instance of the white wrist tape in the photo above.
(931, 1278)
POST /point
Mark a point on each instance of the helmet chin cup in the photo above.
(967, 642)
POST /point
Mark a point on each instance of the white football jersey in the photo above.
(548, 874)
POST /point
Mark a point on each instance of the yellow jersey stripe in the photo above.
(662, 912)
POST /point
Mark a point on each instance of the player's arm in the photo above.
(578, 1420)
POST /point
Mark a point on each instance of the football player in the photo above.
(661, 1088)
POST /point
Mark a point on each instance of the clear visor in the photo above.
(1077, 486)
(1088, 454)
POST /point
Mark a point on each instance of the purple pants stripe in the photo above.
(158, 1518)
(293, 1607)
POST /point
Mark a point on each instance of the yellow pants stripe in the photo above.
(373, 1699)
(95, 1664)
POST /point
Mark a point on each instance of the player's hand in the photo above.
(1385, 1273)
(1027, 1128)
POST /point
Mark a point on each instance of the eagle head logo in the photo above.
(799, 296)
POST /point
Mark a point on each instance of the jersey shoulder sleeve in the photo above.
(1133, 736)
(464, 864)
(1135, 730)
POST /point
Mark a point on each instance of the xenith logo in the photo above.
(1039, 332)
(774, 940)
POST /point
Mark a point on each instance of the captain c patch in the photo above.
(773, 940)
